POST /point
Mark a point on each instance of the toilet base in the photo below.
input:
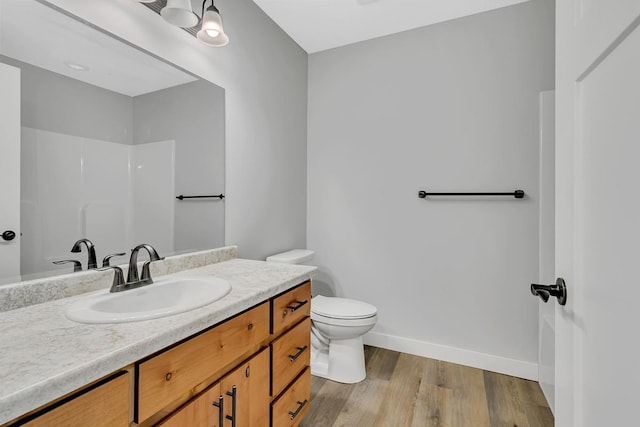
(343, 362)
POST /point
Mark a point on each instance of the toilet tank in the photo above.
(296, 256)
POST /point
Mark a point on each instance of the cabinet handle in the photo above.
(250, 326)
(232, 418)
(293, 357)
(220, 405)
(297, 411)
(297, 305)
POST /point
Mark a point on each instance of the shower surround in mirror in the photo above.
(117, 195)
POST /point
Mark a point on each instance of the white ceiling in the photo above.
(36, 34)
(318, 25)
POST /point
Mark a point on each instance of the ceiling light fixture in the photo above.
(179, 13)
(211, 32)
(208, 29)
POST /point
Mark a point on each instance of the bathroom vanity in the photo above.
(240, 361)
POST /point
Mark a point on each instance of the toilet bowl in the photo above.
(337, 327)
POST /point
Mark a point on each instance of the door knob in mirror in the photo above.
(8, 235)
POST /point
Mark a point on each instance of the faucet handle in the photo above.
(77, 265)
(107, 259)
(146, 273)
(118, 278)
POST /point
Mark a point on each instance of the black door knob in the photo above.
(9, 235)
(559, 290)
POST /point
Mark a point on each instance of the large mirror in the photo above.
(109, 137)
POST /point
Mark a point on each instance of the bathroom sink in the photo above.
(159, 299)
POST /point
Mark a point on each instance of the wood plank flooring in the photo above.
(404, 390)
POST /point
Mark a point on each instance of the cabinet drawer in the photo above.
(173, 373)
(290, 354)
(293, 405)
(291, 307)
(105, 405)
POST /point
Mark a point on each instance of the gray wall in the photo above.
(264, 74)
(453, 106)
(192, 114)
(57, 103)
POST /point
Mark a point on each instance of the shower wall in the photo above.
(75, 187)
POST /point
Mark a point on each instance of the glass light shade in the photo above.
(146, 1)
(212, 32)
(179, 13)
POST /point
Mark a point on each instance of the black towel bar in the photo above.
(518, 194)
(181, 197)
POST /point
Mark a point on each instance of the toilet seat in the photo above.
(327, 308)
(365, 321)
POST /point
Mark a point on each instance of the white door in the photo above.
(546, 312)
(9, 173)
(598, 212)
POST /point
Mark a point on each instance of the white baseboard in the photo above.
(489, 362)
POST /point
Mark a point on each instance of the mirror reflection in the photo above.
(110, 136)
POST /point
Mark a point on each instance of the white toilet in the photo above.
(337, 327)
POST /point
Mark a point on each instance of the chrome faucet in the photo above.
(132, 276)
(77, 246)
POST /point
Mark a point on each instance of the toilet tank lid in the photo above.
(296, 256)
(342, 308)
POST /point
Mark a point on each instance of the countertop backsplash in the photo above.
(23, 294)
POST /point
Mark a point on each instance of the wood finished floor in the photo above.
(405, 390)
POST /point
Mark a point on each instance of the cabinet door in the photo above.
(246, 393)
(203, 411)
(103, 405)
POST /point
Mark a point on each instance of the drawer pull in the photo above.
(297, 305)
(232, 418)
(293, 357)
(220, 405)
(250, 326)
(168, 376)
(297, 411)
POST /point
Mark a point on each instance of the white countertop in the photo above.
(45, 356)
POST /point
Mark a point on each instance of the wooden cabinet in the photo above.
(167, 377)
(290, 307)
(249, 371)
(103, 404)
(290, 408)
(271, 364)
(240, 399)
(290, 355)
(247, 390)
(203, 411)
